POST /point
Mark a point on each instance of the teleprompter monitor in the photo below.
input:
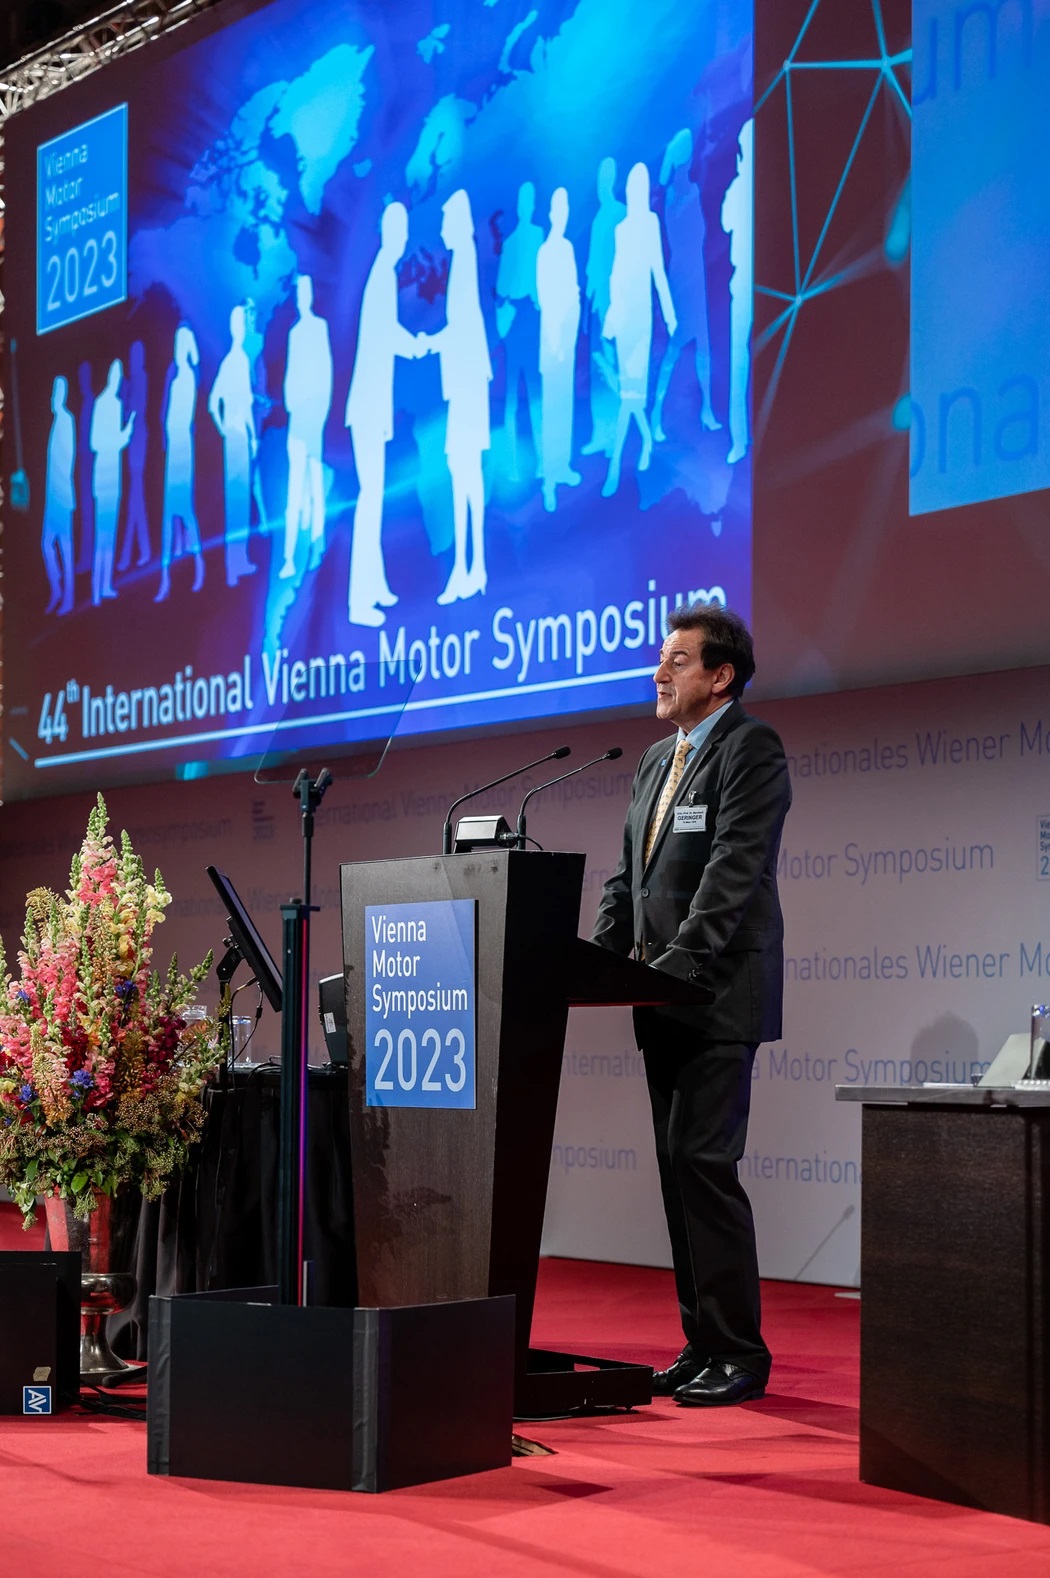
(243, 931)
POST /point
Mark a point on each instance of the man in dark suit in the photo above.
(695, 894)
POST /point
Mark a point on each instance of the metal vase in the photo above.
(102, 1291)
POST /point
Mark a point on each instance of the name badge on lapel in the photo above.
(690, 819)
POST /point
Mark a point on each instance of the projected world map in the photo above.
(432, 376)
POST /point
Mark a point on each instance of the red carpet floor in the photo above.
(767, 1490)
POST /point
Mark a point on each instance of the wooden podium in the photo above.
(449, 1203)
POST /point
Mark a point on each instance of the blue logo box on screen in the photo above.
(82, 220)
(420, 985)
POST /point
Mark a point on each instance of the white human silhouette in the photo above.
(85, 468)
(638, 266)
(307, 399)
(230, 407)
(516, 319)
(262, 404)
(136, 526)
(738, 223)
(381, 338)
(558, 290)
(466, 372)
(604, 392)
(60, 502)
(686, 235)
(180, 532)
(110, 436)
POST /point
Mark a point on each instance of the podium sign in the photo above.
(420, 1004)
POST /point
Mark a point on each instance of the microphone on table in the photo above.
(446, 831)
(517, 840)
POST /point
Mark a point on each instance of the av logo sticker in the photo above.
(36, 1399)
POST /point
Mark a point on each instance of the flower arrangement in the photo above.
(101, 1074)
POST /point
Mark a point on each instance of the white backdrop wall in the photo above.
(915, 877)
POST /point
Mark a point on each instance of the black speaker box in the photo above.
(39, 1326)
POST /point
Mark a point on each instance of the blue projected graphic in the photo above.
(434, 368)
(57, 541)
(816, 267)
(980, 284)
(82, 216)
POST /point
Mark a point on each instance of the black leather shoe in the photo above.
(684, 1369)
(720, 1383)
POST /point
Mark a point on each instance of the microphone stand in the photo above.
(446, 831)
(295, 918)
(224, 973)
(517, 840)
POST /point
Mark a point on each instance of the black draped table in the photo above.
(215, 1226)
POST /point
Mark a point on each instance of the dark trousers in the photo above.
(701, 1096)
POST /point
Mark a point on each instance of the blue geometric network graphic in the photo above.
(815, 269)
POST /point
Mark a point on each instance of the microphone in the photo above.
(517, 840)
(446, 831)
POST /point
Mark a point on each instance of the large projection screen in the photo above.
(357, 346)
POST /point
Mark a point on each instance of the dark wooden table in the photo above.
(955, 1277)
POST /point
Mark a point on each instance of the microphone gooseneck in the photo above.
(517, 839)
(446, 831)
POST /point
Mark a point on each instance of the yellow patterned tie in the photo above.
(674, 778)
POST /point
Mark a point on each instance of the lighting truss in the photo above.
(111, 33)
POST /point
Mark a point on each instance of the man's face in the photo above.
(686, 691)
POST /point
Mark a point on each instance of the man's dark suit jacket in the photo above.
(705, 905)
